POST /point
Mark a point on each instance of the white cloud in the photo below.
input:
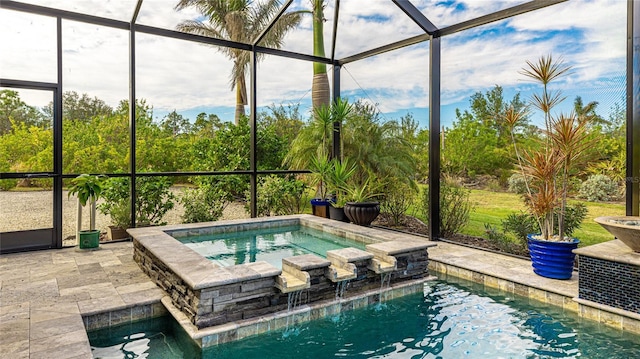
(590, 35)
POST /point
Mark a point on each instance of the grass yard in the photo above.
(492, 207)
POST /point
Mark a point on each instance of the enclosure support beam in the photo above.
(633, 109)
(337, 126)
(253, 127)
(434, 138)
(132, 114)
(57, 144)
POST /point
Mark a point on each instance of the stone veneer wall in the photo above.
(610, 283)
(257, 297)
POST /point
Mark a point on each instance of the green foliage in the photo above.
(517, 184)
(502, 240)
(15, 111)
(599, 188)
(87, 187)
(399, 197)
(379, 149)
(522, 224)
(203, 204)
(338, 180)
(367, 191)
(477, 142)
(281, 195)
(455, 208)
(26, 148)
(153, 199)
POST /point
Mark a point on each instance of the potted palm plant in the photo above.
(320, 167)
(337, 182)
(547, 171)
(362, 206)
(88, 188)
(311, 149)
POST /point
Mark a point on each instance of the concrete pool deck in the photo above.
(49, 298)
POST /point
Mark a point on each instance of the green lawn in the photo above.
(492, 207)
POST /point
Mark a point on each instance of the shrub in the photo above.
(7, 184)
(203, 204)
(502, 241)
(398, 199)
(455, 208)
(521, 224)
(598, 188)
(153, 199)
(517, 184)
(281, 196)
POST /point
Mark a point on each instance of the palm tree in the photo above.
(239, 21)
(320, 92)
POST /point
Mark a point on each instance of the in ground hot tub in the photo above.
(210, 294)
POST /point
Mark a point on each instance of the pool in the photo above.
(270, 245)
(211, 294)
(450, 319)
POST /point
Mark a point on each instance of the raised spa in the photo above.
(210, 294)
(271, 245)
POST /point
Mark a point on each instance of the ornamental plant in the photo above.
(547, 169)
(89, 189)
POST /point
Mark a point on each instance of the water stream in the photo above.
(293, 301)
(385, 283)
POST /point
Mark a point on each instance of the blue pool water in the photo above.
(270, 245)
(452, 319)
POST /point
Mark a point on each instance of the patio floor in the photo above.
(44, 295)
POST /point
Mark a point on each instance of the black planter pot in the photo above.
(337, 213)
(362, 213)
(320, 207)
(552, 259)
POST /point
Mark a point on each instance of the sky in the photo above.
(192, 78)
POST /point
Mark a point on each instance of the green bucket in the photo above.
(89, 239)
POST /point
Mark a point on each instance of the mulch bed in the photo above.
(413, 225)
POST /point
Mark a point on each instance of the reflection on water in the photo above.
(454, 319)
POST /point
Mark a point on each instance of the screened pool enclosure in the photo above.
(416, 59)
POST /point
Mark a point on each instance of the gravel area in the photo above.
(34, 209)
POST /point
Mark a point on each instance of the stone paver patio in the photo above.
(45, 295)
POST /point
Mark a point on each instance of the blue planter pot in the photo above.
(552, 259)
(320, 207)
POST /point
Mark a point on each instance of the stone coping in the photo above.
(198, 272)
(613, 250)
(306, 262)
(401, 246)
(348, 255)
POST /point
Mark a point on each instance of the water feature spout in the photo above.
(385, 283)
(340, 289)
(293, 301)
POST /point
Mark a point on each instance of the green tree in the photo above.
(13, 108)
(26, 148)
(479, 142)
(240, 21)
(175, 124)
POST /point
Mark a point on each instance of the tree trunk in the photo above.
(320, 91)
(241, 98)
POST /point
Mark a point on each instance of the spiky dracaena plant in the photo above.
(547, 169)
